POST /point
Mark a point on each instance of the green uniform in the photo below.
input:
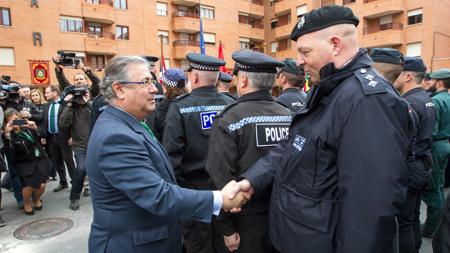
(433, 195)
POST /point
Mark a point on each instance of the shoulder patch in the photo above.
(370, 82)
(182, 96)
(226, 108)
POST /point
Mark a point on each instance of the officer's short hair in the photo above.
(54, 88)
(260, 81)
(294, 80)
(390, 71)
(117, 70)
(418, 77)
(446, 82)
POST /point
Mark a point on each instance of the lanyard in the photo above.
(26, 135)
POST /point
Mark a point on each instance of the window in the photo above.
(70, 24)
(274, 47)
(348, 1)
(95, 29)
(93, 1)
(386, 20)
(244, 18)
(414, 49)
(301, 10)
(244, 43)
(207, 12)
(165, 35)
(210, 38)
(7, 56)
(122, 32)
(5, 18)
(161, 9)
(415, 17)
(273, 23)
(120, 4)
(97, 61)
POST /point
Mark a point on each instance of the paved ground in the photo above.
(74, 240)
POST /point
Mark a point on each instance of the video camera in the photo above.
(67, 59)
(8, 89)
(78, 91)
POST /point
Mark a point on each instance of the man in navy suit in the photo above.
(137, 204)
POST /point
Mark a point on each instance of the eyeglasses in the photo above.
(147, 82)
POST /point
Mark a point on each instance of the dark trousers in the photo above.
(410, 238)
(14, 181)
(253, 231)
(197, 237)
(59, 153)
(79, 174)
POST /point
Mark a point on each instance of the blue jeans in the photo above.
(79, 174)
(14, 181)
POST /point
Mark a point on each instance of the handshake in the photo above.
(235, 195)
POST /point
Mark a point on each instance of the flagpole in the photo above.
(202, 39)
(161, 68)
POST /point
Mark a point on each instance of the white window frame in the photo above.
(165, 35)
(210, 38)
(7, 56)
(274, 47)
(207, 12)
(386, 20)
(301, 10)
(414, 49)
(162, 9)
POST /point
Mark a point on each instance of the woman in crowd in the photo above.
(174, 84)
(38, 100)
(26, 153)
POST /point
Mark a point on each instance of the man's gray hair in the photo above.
(260, 81)
(117, 70)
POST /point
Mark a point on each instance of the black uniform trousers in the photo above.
(59, 153)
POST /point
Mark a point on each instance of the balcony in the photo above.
(282, 6)
(102, 12)
(255, 7)
(185, 3)
(283, 31)
(281, 55)
(390, 34)
(182, 47)
(101, 42)
(186, 22)
(378, 8)
(324, 3)
(255, 31)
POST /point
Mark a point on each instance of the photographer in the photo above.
(27, 155)
(79, 79)
(25, 108)
(76, 116)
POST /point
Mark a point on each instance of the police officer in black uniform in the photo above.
(340, 180)
(152, 61)
(224, 83)
(186, 133)
(292, 79)
(408, 84)
(242, 133)
(388, 62)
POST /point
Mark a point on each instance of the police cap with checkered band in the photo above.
(204, 62)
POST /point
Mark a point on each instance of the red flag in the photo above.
(222, 68)
(162, 68)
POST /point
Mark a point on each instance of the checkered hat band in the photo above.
(169, 82)
(204, 67)
(263, 69)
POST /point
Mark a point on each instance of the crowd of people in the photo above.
(181, 163)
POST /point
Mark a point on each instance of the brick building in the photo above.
(96, 30)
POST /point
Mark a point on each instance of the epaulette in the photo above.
(226, 108)
(181, 97)
(370, 81)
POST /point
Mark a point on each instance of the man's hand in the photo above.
(31, 124)
(43, 141)
(57, 60)
(232, 242)
(68, 98)
(234, 197)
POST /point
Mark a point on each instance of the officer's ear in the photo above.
(336, 45)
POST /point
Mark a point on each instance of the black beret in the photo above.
(427, 76)
(290, 66)
(322, 18)
(225, 78)
(386, 55)
(414, 64)
(204, 62)
(150, 58)
(252, 61)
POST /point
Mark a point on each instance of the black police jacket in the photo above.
(186, 133)
(292, 98)
(156, 120)
(242, 133)
(341, 178)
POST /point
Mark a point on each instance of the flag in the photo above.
(202, 39)
(306, 86)
(222, 68)
(162, 68)
(39, 72)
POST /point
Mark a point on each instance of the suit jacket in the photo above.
(137, 204)
(64, 133)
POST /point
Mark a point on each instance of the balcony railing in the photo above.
(102, 2)
(388, 26)
(258, 2)
(189, 14)
(192, 43)
(104, 35)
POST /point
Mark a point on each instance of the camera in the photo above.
(19, 122)
(67, 59)
(8, 89)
